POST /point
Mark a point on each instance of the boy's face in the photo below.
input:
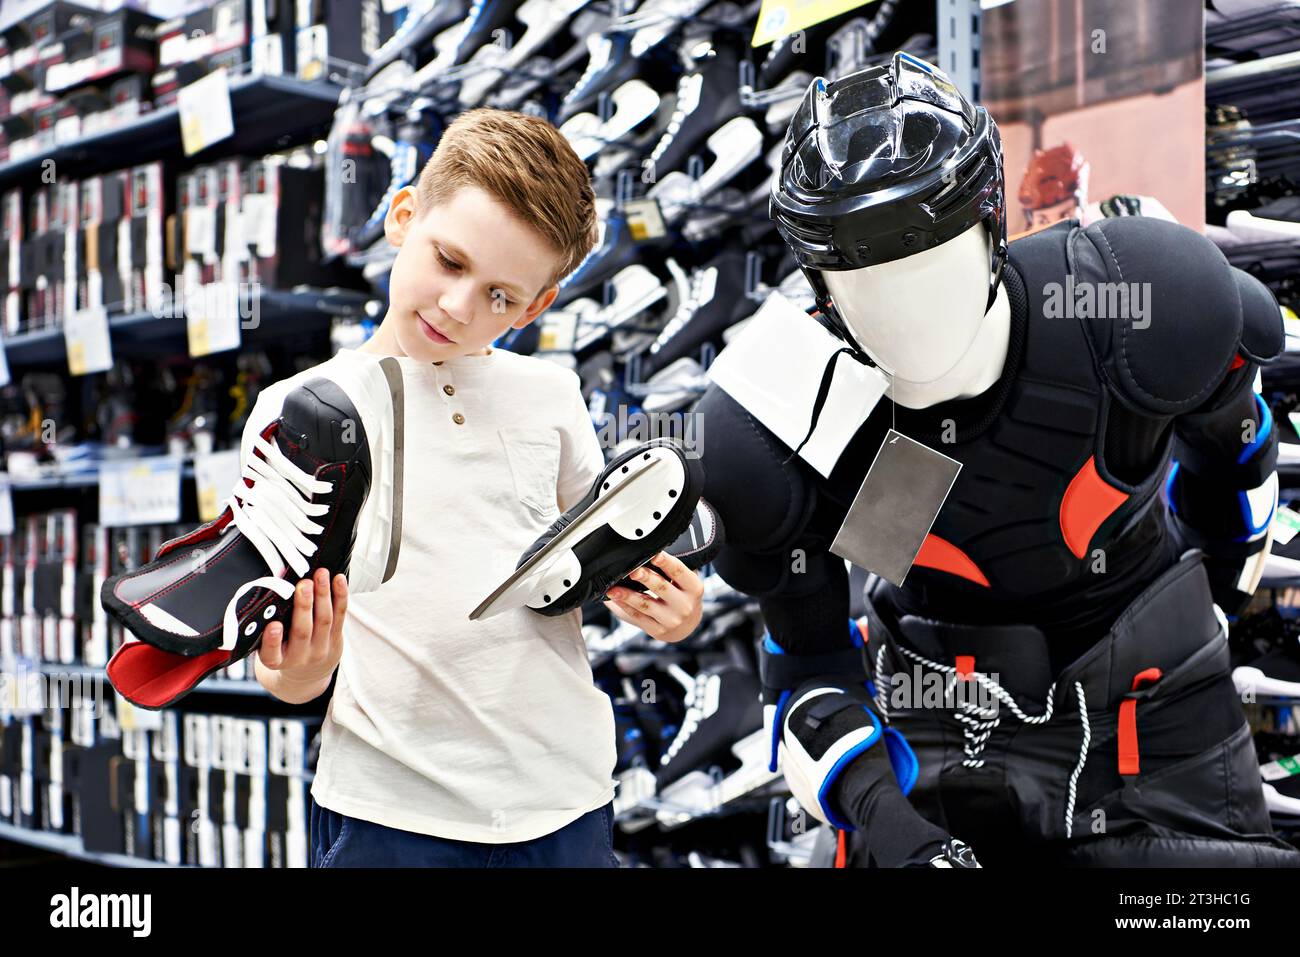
(467, 271)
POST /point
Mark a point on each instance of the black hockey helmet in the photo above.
(882, 164)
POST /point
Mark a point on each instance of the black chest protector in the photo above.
(1039, 527)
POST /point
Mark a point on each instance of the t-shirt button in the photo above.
(449, 389)
(458, 419)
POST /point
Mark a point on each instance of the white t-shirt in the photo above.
(491, 730)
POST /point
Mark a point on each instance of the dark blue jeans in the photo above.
(338, 840)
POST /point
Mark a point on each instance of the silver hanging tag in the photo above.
(895, 507)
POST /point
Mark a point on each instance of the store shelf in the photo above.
(268, 112)
(142, 335)
(83, 479)
(70, 846)
(211, 685)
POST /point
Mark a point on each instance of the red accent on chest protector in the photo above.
(1088, 502)
(946, 557)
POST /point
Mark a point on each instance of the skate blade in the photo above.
(393, 373)
(516, 590)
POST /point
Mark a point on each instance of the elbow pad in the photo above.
(1227, 506)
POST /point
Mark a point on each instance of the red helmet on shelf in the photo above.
(1053, 176)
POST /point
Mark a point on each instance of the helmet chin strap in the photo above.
(836, 323)
(823, 390)
(999, 262)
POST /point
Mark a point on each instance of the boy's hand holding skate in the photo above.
(308, 655)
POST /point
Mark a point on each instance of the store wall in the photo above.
(1164, 160)
(1121, 82)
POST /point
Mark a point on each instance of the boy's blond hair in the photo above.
(526, 164)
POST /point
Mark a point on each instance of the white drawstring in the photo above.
(694, 715)
(275, 515)
(1083, 758)
(978, 728)
(978, 725)
(882, 696)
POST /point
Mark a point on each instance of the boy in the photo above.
(450, 742)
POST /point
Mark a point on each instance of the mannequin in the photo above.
(1071, 572)
(926, 361)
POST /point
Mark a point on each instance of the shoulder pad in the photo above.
(1163, 310)
(1263, 332)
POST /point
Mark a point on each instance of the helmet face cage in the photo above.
(883, 164)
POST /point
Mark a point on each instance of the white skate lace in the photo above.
(696, 702)
(599, 50)
(684, 312)
(275, 515)
(688, 98)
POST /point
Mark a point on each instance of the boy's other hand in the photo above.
(314, 645)
(673, 609)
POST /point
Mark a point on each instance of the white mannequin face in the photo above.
(918, 316)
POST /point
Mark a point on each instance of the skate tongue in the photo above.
(296, 442)
(317, 425)
(151, 678)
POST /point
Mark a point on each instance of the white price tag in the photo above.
(1286, 522)
(392, 6)
(140, 491)
(645, 219)
(85, 333)
(559, 330)
(212, 318)
(215, 476)
(1281, 768)
(205, 112)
